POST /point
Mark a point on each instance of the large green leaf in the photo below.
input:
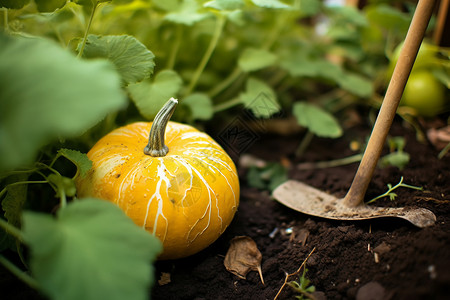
(90, 251)
(149, 97)
(260, 98)
(253, 59)
(45, 93)
(317, 120)
(132, 59)
(200, 106)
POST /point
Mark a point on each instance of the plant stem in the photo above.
(19, 273)
(304, 143)
(225, 105)
(225, 83)
(212, 45)
(88, 29)
(400, 184)
(11, 229)
(2, 192)
(156, 146)
(237, 71)
(293, 274)
(444, 151)
(175, 47)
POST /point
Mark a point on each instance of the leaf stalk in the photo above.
(209, 51)
(19, 273)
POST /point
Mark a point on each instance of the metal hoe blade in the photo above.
(308, 200)
(311, 201)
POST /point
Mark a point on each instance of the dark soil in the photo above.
(412, 263)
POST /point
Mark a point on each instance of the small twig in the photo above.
(330, 163)
(444, 151)
(294, 274)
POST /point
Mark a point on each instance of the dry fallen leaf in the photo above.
(164, 279)
(242, 257)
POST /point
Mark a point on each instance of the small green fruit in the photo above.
(424, 93)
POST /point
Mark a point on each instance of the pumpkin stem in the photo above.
(156, 146)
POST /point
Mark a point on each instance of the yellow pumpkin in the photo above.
(185, 193)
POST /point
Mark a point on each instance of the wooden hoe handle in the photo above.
(413, 40)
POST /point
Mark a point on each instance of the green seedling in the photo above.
(303, 287)
(267, 177)
(389, 193)
(397, 157)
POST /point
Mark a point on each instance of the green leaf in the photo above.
(14, 4)
(16, 196)
(270, 4)
(200, 106)
(81, 160)
(302, 65)
(45, 93)
(167, 5)
(397, 159)
(347, 14)
(267, 177)
(260, 98)
(149, 97)
(91, 250)
(253, 59)
(299, 64)
(225, 4)
(49, 5)
(188, 13)
(12, 205)
(309, 7)
(318, 121)
(355, 84)
(387, 17)
(132, 59)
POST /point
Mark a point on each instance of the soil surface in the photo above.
(373, 259)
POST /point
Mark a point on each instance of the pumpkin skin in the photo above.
(186, 198)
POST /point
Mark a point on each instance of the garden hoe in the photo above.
(309, 200)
